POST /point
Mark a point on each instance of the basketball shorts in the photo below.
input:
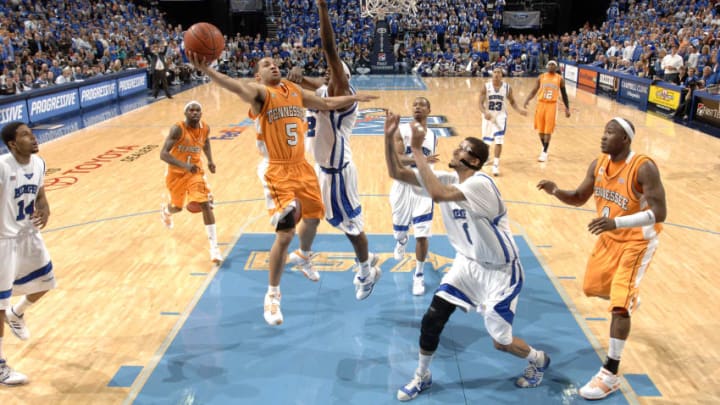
(545, 115)
(285, 183)
(408, 208)
(187, 187)
(492, 291)
(340, 195)
(25, 267)
(493, 131)
(615, 269)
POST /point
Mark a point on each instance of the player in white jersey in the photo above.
(494, 97)
(409, 207)
(25, 266)
(329, 136)
(486, 274)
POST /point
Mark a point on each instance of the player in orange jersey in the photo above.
(290, 184)
(630, 201)
(185, 178)
(551, 85)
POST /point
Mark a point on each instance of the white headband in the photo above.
(552, 62)
(626, 126)
(192, 103)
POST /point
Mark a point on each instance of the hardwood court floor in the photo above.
(123, 275)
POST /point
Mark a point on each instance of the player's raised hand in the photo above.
(432, 159)
(418, 136)
(198, 61)
(392, 121)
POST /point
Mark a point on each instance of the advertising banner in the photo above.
(51, 105)
(571, 73)
(521, 19)
(15, 111)
(608, 84)
(98, 93)
(707, 109)
(664, 99)
(587, 79)
(634, 91)
(132, 84)
(382, 58)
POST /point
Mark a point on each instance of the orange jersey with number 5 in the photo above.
(549, 87)
(280, 125)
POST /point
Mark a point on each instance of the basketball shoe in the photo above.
(304, 263)
(600, 386)
(272, 313)
(533, 375)
(9, 376)
(418, 384)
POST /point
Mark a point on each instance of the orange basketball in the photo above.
(205, 40)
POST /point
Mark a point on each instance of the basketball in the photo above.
(205, 40)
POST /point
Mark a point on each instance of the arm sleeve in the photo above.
(563, 92)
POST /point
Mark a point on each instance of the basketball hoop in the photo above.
(379, 8)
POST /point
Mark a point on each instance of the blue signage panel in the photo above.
(51, 105)
(634, 92)
(98, 93)
(132, 84)
(14, 111)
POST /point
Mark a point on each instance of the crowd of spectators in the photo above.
(45, 42)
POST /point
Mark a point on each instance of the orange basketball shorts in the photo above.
(284, 183)
(615, 269)
(545, 114)
(187, 187)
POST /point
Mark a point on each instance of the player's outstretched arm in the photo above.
(576, 197)
(315, 102)
(253, 93)
(396, 169)
(340, 82)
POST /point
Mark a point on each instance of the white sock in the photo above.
(306, 253)
(535, 356)
(212, 235)
(419, 268)
(22, 306)
(423, 363)
(274, 290)
(496, 162)
(616, 348)
(364, 270)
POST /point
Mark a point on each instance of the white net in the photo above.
(380, 8)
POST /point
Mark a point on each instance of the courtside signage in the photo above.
(16, 111)
(132, 84)
(98, 93)
(51, 105)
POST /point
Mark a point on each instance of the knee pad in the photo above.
(433, 323)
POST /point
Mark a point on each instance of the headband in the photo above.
(192, 103)
(626, 126)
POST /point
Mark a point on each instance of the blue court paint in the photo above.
(388, 82)
(642, 385)
(125, 376)
(566, 277)
(170, 313)
(596, 319)
(198, 274)
(334, 349)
